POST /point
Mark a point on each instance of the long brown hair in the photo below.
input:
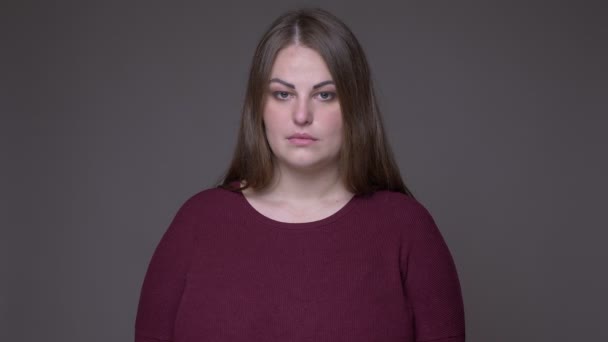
(366, 159)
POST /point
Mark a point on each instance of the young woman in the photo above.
(312, 234)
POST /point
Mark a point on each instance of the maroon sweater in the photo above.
(376, 270)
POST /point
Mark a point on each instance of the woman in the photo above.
(311, 235)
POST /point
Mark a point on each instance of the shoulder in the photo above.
(406, 213)
(208, 200)
(398, 204)
(210, 195)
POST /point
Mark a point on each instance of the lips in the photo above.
(302, 136)
(301, 139)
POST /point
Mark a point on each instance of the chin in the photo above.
(308, 164)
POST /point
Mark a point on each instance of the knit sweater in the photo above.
(378, 269)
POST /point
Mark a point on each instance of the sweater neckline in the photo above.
(261, 218)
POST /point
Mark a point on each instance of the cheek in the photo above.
(271, 117)
(334, 122)
(273, 128)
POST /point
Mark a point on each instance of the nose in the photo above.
(302, 113)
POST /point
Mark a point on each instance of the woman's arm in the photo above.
(164, 281)
(431, 281)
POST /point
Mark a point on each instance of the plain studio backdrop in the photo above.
(113, 114)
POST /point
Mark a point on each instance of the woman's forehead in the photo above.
(297, 63)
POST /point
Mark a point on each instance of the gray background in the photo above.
(114, 114)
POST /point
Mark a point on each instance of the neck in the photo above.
(300, 186)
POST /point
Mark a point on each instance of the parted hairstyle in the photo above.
(366, 162)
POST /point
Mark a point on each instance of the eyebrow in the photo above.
(287, 84)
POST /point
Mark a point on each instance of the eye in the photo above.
(326, 95)
(281, 95)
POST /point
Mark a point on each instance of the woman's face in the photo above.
(302, 99)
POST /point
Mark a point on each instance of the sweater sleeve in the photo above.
(431, 282)
(164, 280)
